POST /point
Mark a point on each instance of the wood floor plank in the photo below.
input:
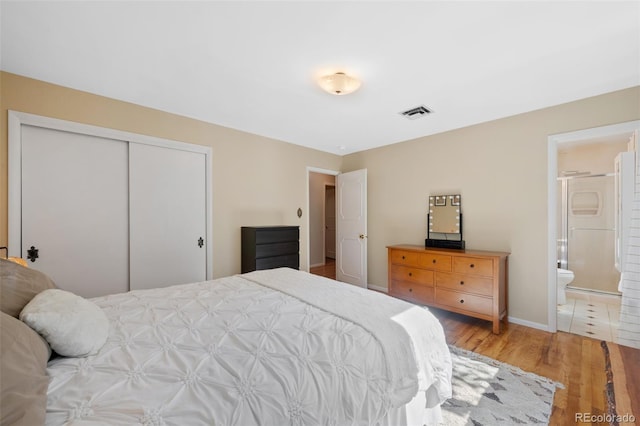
(629, 383)
(586, 388)
(598, 379)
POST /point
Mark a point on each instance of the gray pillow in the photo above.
(18, 285)
(23, 368)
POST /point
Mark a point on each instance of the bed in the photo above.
(274, 347)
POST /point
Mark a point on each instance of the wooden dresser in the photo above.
(268, 247)
(470, 282)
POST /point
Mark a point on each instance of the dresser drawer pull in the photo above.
(434, 261)
(410, 274)
(461, 300)
(461, 282)
(410, 290)
(403, 257)
(472, 265)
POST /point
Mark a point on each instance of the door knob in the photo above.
(363, 236)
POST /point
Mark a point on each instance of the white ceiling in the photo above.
(252, 66)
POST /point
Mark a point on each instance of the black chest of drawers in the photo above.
(268, 247)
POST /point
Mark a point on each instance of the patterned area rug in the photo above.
(487, 392)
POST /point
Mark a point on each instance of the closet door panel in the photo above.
(167, 216)
(75, 209)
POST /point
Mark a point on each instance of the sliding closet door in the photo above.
(75, 209)
(167, 216)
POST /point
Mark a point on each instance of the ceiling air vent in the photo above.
(416, 112)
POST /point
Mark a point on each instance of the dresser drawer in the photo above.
(436, 262)
(468, 302)
(415, 275)
(289, 260)
(277, 249)
(473, 265)
(276, 234)
(401, 257)
(466, 283)
(411, 291)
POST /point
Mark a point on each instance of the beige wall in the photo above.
(256, 180)
(500, 168)
(595, 158)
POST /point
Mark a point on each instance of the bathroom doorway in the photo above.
(588, 297)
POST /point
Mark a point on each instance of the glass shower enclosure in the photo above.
(586, 241)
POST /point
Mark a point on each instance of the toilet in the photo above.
(565, 276)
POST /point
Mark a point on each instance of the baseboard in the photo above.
(315, 265)
(526, 323)
(513, 320)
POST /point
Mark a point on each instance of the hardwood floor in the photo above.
(327, 270)
(575, 361)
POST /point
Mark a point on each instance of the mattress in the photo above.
(277, 347)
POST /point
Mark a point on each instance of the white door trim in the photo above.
(308, 233)
(15, 122)
(552, 167)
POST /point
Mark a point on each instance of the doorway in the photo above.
(322, 222)
(351, 223)
(589, 302)
(330, 222)
(580, 208)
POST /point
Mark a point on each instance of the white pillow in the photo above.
(73, 326)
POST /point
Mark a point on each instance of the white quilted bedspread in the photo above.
(233, 351)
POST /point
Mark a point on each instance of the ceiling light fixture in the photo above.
(339, 83)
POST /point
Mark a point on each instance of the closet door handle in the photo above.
(32, 254)
(200, 242)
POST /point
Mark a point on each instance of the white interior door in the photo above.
(351, 227)
(168, 216)
(75, 209)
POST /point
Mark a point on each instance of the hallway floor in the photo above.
(595, 316)
(327, 270)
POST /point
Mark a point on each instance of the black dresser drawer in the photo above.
(277, 249)
(289, 260)
(268, 247)
(276, 235)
